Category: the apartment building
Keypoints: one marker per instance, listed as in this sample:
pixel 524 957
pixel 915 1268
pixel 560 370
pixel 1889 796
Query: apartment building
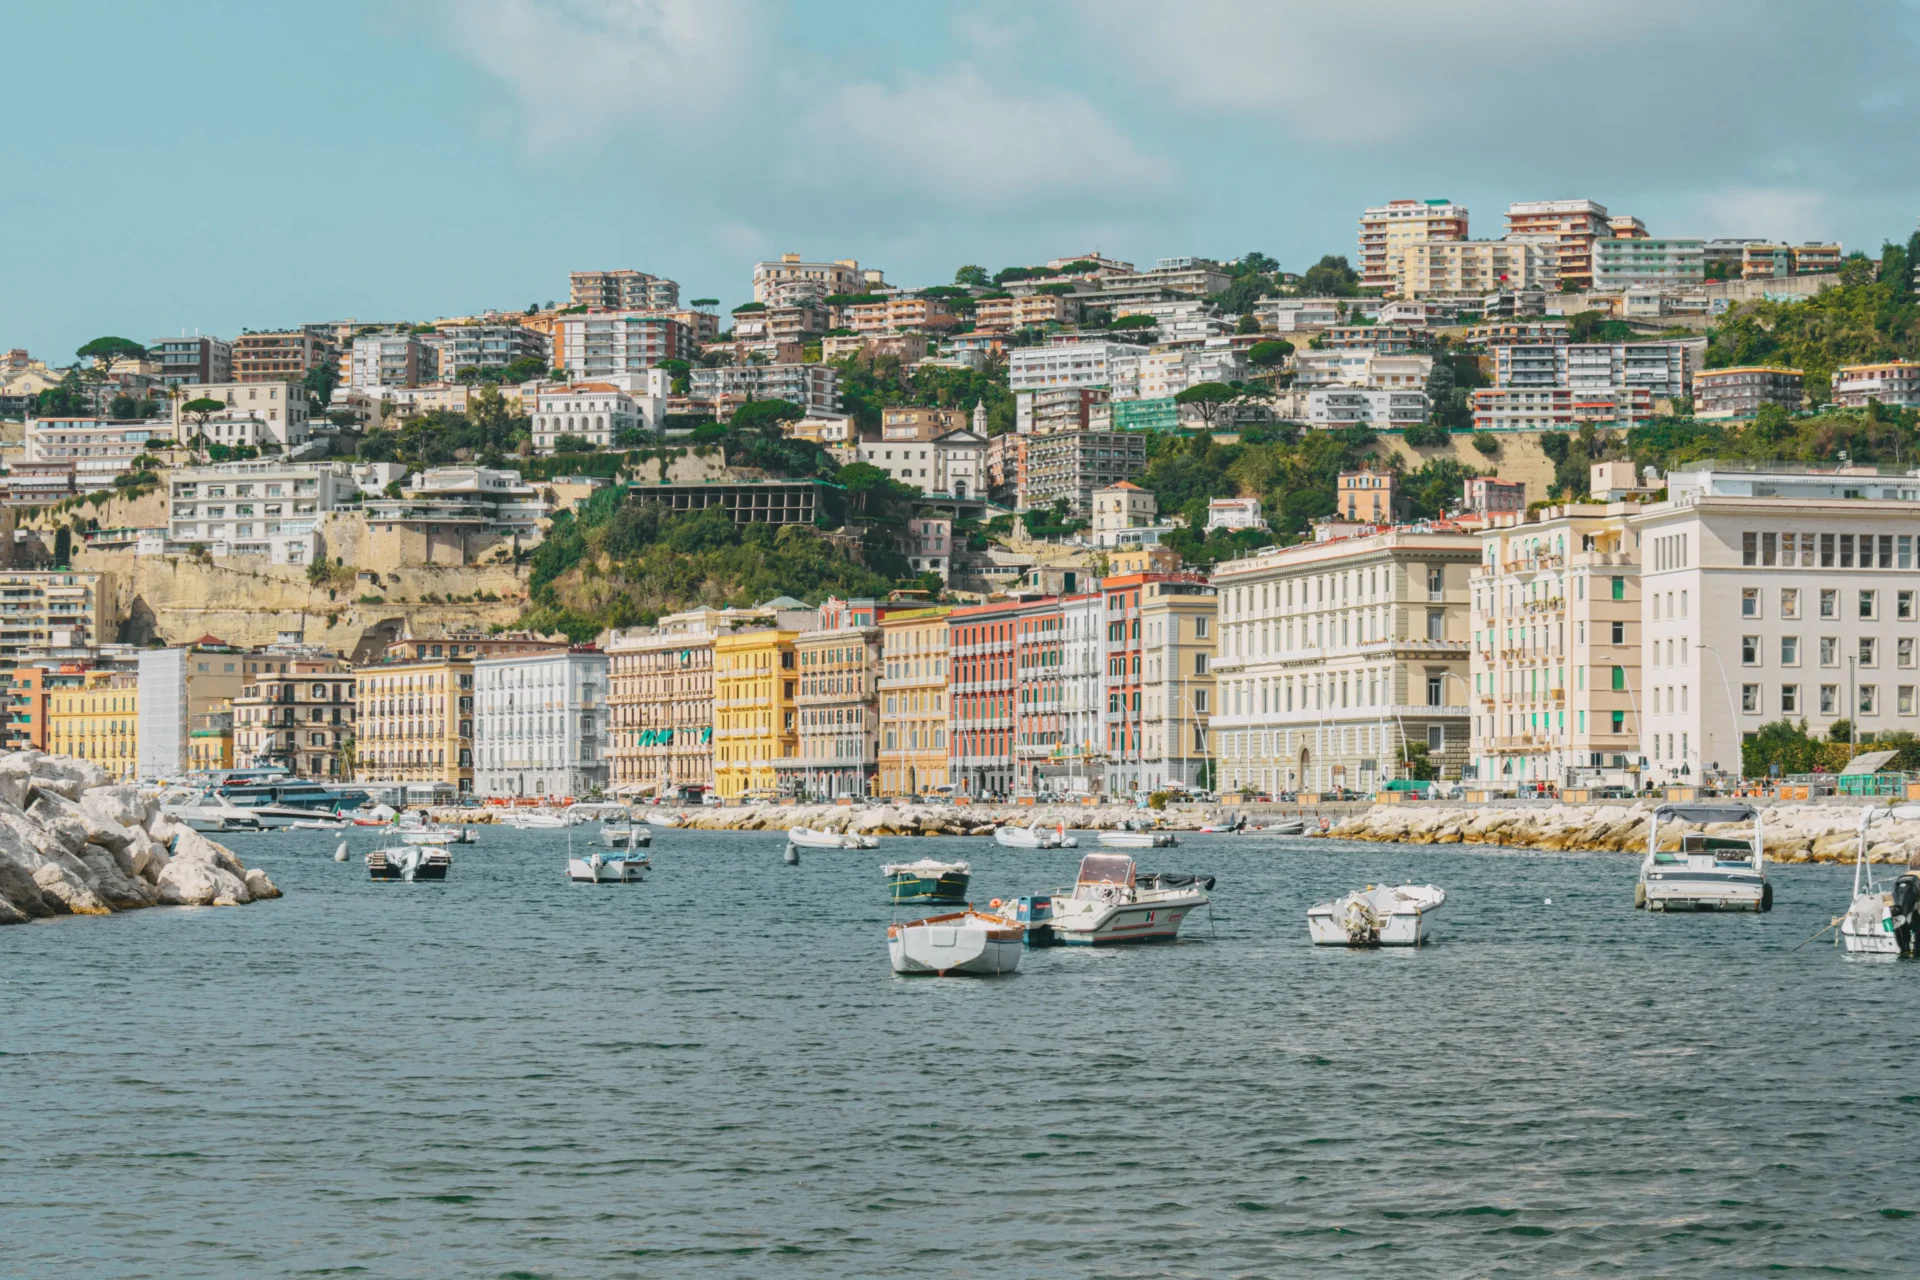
pixel 178 687
pixel 378 360
pixel 814 387
pixel 1119 508
pixel 414 710
pixel 601 344
pixel 755 683
pixel 837 705
pixel 1640 262
pixel 185 362
pixel 1071 465
pixel 1470 269
pixel 918 447
pixel 1387 230
pixel 912 702
pixel 278 357
pixel 930 544
pixel 48 611
pixel 1485 495
pixel 779 282
pixel 1556 649
pixel 1740 391
pixel 457 348
pixel 1079 768
pixel 257 508
pixel 622 290
pixel 1368 496
pixel 1335 407
pixel 983 692
pixel 99 451
pixel 1894 383
pixel 1003 314
pixel 1161 633
pixel 1199 277
pixel 25 690
pixel 282 409
pixel 298 712
pixel 1572 226
pixel 600 413
pixel 1768 260
pixel 1342 659
pixel 541 725
pixel 901 314
pixel 1664 370
pixel 661 695
pixel 97 719
pixel 1065 364
pixel 1774 592
pixel 1057 409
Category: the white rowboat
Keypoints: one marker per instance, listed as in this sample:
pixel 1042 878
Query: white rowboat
pixel 1376 916
pixel 963 942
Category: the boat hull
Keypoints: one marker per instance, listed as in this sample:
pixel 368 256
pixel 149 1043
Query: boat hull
pixel 940 947
pixel 610 871
pixel 1682 890
pixel 1138 839
pixel 1402 929
pixel 626 837
pixel 1120 925
pixel 1867 928
pixel 907 887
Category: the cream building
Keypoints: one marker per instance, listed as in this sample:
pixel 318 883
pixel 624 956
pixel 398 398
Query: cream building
pixel 913 702
pixel 1556 649
pixel 661 694
pixel 1179 633
pixel 837 745
pixel 1776 594
pixel 1338 655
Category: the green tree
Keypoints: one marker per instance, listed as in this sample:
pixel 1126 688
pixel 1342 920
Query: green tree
pixel 67 399
pixel 321 381
pixel 568 442
pixel 1209 399
pixel 1331 277
pixel 765 416
pixel 1781 743
pixel 704 302
pixel 1270 354
pixel 200 408
pixel 973 276
pixel 107 352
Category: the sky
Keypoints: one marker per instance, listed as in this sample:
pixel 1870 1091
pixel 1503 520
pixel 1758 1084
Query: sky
pixel 219 165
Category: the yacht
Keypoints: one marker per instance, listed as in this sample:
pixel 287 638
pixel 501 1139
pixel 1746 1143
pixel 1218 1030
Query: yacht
pixel 208 811
pixel 1376 916
pixel 1138 838
pixel 1112 902
pixel 535 819
pixel 1707 873
pixel 625 835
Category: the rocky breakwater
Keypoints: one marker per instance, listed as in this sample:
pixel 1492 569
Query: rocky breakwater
pixel 74 843
pixel 1793 832
pixel 918 819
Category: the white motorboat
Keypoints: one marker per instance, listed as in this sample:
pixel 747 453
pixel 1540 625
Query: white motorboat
pixel 409 862
pixel 608 868
pixel 1707 873
pixel 1872 916
pixel 625 835
pixel 1111 902
pixel 810 838
pixel 320 824
pixel 534 819
pixel 1287 827
pixel 1138 838
pixel 208 811
pixel 1376 916
pixel 1034 836
pixel 962 942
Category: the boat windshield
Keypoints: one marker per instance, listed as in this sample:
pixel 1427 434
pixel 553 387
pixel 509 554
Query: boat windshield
pixel 1106 868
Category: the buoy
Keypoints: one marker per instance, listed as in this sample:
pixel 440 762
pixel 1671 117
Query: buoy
pixel 793 856
pixel 340 854
pixel 1549 901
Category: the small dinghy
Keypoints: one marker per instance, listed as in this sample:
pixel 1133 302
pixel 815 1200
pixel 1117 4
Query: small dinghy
pixel 927 881
pixel 963 942
pixel 808 838
pixel 1034 836
pixel 1236 823
pixel 1138 838
pixel 535 819
pixel 624 835
pixel 608 868
pixel 1875 914
pixel 409 862
pixel 1707 873
pixel 1112 903
pixel 1376 916
pixel 319 824
pixel 1291 827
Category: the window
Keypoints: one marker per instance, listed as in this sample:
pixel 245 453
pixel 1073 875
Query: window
pixel 1829 698
pixel 1435 691
pixel 1749 549
pixel 1829 602
pixel 1790 602
pixel 1869 652
pixel 1436 625
pixel 1903 654
pixel 1436 737
pixel 1767 548
pixel 1829 651
pixel 1826 551
pixel 1903 606
pixel 1199 664
pixel 1789 699
pixel 1200 628
pixel 1905 703
pixel 1846 552
pixel 1869 604
pixel 1750 602
pixel 1200 701
pixel 1619 633
pixel 1619 721
pixel 1789 651
pixel 1619 679
pixel 1619 588
pixel 1749 651
pixel 1886 551
pixel 1750 699
pixel 1869 694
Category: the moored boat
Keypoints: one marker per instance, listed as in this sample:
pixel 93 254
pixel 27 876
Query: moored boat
pixel 1376 916
pixel 608 868
pixel 1138 838
pixel 1286 827
pixel 927 881
pixel 409 862
pixel 1112 902
pixel 963 942
pixel 209 812
pixel 811 838
pixel 535 819
pixel 625 835
pixel 1871 926
pixel 1034 836
pixel 1707 873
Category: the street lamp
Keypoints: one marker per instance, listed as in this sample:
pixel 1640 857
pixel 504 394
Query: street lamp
pixel 1733 714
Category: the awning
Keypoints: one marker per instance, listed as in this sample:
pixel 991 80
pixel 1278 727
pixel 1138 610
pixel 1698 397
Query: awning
pixel 1707 813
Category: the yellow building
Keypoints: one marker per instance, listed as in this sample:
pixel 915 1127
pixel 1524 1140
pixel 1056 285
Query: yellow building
pixel 414 722
pixel 98 720
pixel 753 711
pixel 913 702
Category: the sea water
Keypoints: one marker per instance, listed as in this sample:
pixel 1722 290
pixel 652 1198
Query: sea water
pixel 714 1073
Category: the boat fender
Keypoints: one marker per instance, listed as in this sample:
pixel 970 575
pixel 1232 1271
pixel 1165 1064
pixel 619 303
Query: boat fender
pixel 1639 897
pixel 1766 896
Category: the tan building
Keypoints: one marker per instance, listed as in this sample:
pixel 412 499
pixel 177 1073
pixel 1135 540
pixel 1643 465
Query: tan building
pixel 1472 268
pixel 837 745
pixel 413 717
pixel 1556 639
pixel 1570 227
pixel 98 720
pixel 210 741
pixel 894 315
pixel 47 609
pixel 1370 496
pixel 755 714
pixel 278 357
pixel 1179 629
pixel 913 702
pixel 1386 230
pixel 661 691
pixel 296 712
pixel 1032 311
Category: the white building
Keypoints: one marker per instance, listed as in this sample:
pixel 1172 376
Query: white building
pixel 1620 263
pixel 953 464
pixel 814 387
pixel 1332 407
pixel 278 410
pixel 540 724
pixel 1337 656
pixel 1120 507
pixel 1775 594
pixel 390 360
pixel 162 741
pixel 598 412
pixel 98 450
pixel 1083 693
pixel 1066 364
pixel 1235 513
pixel 600 344
pixel 261 508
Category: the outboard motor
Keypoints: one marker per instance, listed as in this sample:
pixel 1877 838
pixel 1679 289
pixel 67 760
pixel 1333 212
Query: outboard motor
pixel 1906 900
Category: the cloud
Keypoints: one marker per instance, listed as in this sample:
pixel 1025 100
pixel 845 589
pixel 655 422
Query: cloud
pixel 1785 213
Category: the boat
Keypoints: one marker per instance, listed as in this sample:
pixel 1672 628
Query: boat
pixel 1034 836
pixel 1237 823
pixel 927 881
pixel 1111 902
pixel 1289 827
pixel 1138 838
pixel 421 831
pixel 534 819
pixel 280 800
pixel 962 942
pixel 608 868
pixel 320 824
pixel 1868 928
pixel 810 838
pixel 409 862
pixel 208 811
pixel 1707 873
pixel 624 835
pixel 1034 913
pixel 1377 916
